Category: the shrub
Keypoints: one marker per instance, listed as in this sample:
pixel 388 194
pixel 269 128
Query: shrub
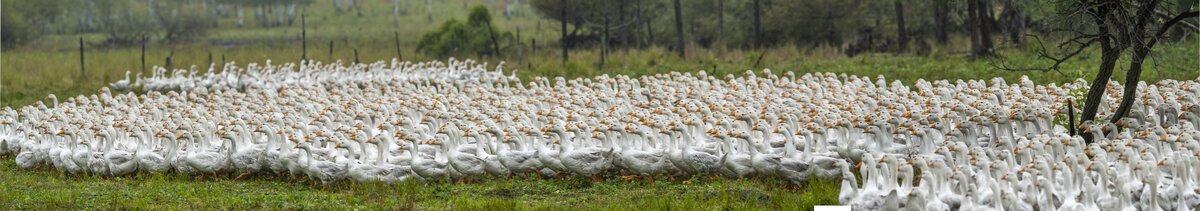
pixel 14 30
pixel 184 26
pixel 455 37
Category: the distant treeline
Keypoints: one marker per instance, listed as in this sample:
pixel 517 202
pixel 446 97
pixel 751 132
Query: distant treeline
pixel 855 25
pixel 852 25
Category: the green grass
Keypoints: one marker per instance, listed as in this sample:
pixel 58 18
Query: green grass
pixel 50 190
pixel 50 65
pixel 29 76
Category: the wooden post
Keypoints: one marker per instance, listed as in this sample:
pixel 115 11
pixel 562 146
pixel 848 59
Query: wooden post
pixel 1071 117
pixel 330 50
pixel 532 51
pixel 82 69
pixel 223 63
pixel 399 55
pixel 518 44
pixel 144 40
pixel 210 60
pixel 356 55
pixel 303 38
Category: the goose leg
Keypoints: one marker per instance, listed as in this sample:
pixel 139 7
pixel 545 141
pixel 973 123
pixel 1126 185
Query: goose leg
pixel 241 175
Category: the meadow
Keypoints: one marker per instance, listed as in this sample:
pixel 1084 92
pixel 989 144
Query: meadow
pixel 50 66
pixel 50 190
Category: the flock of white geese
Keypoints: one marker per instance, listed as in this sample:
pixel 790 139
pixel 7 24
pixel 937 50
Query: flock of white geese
pixel 934 145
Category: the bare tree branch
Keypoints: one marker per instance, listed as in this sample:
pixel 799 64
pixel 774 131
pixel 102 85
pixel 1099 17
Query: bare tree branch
pixel 1043 53
pixel 1177 19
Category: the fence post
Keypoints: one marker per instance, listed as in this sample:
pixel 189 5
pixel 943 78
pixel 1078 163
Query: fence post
pixel 303 39
pixel 144 40
pixel 82 69
pixel 532 52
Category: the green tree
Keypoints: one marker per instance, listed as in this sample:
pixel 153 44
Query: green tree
pixel 24 21
pixel 815 21
pixel 454 37
pixel 14 31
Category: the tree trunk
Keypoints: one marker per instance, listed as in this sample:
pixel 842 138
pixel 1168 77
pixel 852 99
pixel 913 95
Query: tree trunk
pixel 679 28
pixel 149 12
pixel 337 5
pixel 623 36
pixel 633 31
pixel 1013 21
pixel 291 13
pixel 940 20
pixel 565 42
pixel 1131 80
pixel 262 17
pixel 357 8
pixel 429 9
pixel 508 10
pixel 495 44
pixel 986 24
pixel 1108 60
pixel 721 21
pixel 757 29
pixel 241 21
pixel 650 31
pixel 981 44
pixel 279 16
pixel 91 16
pixel 902 35
pixel 604 42
pixel 1095 94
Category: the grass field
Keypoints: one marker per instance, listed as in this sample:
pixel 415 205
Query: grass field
pixel 50 66
pixel 50 190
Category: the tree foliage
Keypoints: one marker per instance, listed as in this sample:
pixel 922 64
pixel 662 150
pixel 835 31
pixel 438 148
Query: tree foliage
pixel 14 30
pixel 25 20
pixel 455 37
